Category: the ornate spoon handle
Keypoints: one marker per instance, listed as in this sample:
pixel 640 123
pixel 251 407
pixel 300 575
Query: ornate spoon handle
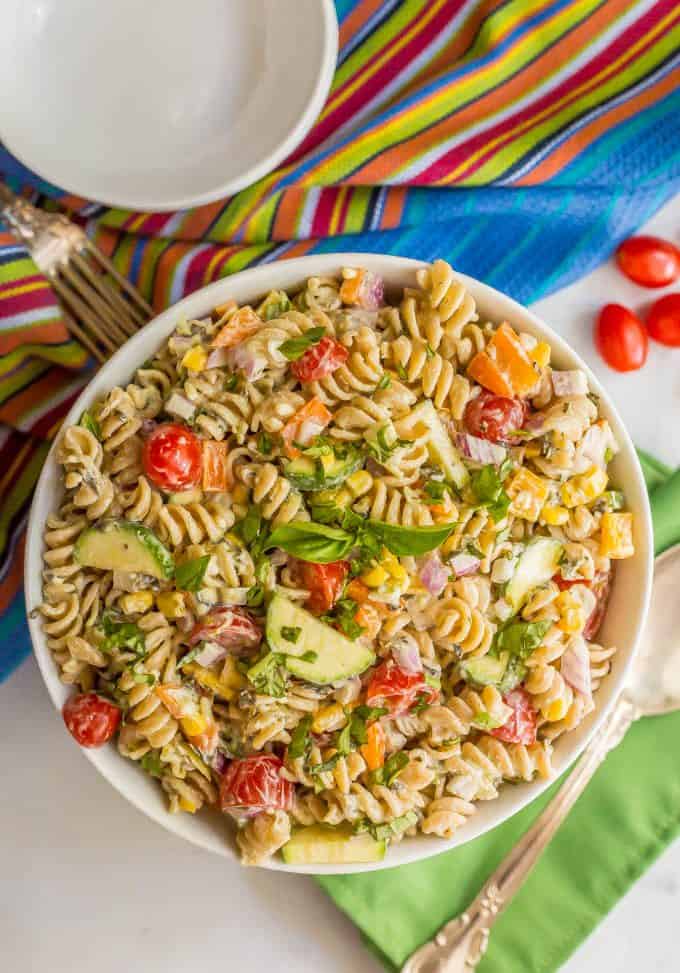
pixel 459 945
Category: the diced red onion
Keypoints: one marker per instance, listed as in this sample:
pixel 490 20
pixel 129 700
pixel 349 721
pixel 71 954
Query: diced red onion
pixel 219 762
pixel 217 358
pixel 570 383
pixel 464 564
pixel 535 423
pixel 178 405
pixel 434 575
pixel 575 666
pixel 371 291
pixel 481 450
pixel 406 653
pixel 592 449
pixel 242 358
pixel 210 653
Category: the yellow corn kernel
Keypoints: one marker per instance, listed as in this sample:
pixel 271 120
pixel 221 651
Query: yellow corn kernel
pixel 171 604
pixel 359 483
pixel 188 804
pixel 136 602
pixel 227 684
pixel 540 353
pixel 343 498
pixel 584 488
pixel 616 539
pixel 193 725
pixel 572 617
pixel 195 359
pixel 528 493
pixel 375 577
pixel 556 710
pixel 554 516
pixel 240 493
pixel 330 717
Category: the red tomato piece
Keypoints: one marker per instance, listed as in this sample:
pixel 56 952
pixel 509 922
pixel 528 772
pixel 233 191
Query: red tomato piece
pixel 172 458
pixel 621 338
pixel 521 724
pixel 232 628
pixel 601 588
pixel 397 689
pixel 649 261
pixel 256 783
pixel 324 582
pixel 90 719
pixel 663 321
pixel 495 417
pixel 320 360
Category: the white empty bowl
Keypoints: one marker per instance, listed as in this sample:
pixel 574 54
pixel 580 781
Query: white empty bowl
pixel 622 626
pixel 161 104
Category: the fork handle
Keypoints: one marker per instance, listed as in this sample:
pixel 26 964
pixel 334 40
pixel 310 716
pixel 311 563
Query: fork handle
pixel 459 945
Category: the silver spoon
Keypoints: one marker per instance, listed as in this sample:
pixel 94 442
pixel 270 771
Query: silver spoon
pixel 653 688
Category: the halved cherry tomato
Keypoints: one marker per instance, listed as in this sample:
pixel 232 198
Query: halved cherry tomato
pixel 256 783
pixel 649 261
pixel 495 417
pixel 320 360
pixel 621 338
pixel 601 588
pixel 172 457
pixel 232 628
pixel 90 719
pixel 397 689
pixel 324 583
pixel 305 425
pixel 663 320
pixel 520 726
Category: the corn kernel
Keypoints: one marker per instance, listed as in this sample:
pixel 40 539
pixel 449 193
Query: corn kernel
pixel 359 483
pixel 171 604
pixel 136 602
pixel 240 493
pixel 616 540
pixel 556 710
pixel 584 488
pixel 330 717
pixel 343 498
pixel 528 493
pixel 226 685
pixel 555 516
pixel 193 725
pixel 195 359
pixel 375 577
pixel 188 804
pixel 572 617
pixel 540 353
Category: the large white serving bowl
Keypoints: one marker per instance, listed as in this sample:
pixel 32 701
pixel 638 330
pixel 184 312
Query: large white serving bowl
pixel 161 104
pixel 622 627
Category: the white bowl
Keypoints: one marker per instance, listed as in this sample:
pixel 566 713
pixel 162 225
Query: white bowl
pixel 161 104
pixel 622 627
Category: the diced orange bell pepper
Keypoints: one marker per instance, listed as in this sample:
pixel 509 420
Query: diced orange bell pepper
pixel 504 367
pixel 357 591
pixel 373 751
pixel 240 326
pixel 215 479
pixel 305 425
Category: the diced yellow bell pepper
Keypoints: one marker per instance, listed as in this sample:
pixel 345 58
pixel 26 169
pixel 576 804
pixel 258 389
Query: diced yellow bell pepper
pixel 556 710
pixel 136 602
pixel 359 483
pixel 227 685
pixel 554 516
pixel 584 488
pixel 394 568
pixel 328 718
pixel 188 804
pixel 171 604
pixel 540 354
pixel 616 540
pixel 528 494
pixel 195 359
pixel 193 725
pixel 375 577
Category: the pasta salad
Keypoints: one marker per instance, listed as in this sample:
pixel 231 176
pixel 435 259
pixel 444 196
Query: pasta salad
pixel 335 564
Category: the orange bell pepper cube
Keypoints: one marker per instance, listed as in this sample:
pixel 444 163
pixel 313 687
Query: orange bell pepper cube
pixel 504 367
pixel 215 478
pixel 373 751
pixel 357 591
pixel 305 425
pixel 240 326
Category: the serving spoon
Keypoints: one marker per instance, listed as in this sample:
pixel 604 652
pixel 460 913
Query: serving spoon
pixel 653 688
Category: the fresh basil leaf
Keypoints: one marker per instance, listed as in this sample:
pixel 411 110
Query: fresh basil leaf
pixel 487 485
pixel 190 656
pixel 326 765
pixel 390 770
pixel 383 832
pixel 359 720
pixel 249 528
pixel 88 421
pixel 300 740
pixel 265 443
pixel 189 575
pixel 436 489
pixel 295 348
pixel 520 639
pixel 268 675
pixel 343 616
pixel 122 635
pixel 370 712
pixel 318 543
pixel 401 372
pixel 326 513
pixel 344 740
pixel 414 541
pixel 152 764
pixel 255 596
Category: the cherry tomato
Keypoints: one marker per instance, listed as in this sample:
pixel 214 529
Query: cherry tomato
pixel 324 582
pixel 91 720
pixel 621 338
pixel 649 260
pixel 397 689
pixel 601 588
pixel 494 417
pixel 232 628
pixel 663 321
pixel 521 724
pixel 256 783
pixel 172 457
pixel 320 360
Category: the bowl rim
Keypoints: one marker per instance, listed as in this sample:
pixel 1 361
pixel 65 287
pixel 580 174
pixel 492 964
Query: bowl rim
pixel 266 164
pixel 257 281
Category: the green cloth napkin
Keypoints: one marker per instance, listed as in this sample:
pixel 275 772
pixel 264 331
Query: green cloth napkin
pixel 628 815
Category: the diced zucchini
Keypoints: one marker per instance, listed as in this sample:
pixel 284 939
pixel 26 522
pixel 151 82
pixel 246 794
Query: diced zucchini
pixel 321 844
pixel 442 451
pixel 120 545
pixel 537 564
pixel 330 656
pixel 486 671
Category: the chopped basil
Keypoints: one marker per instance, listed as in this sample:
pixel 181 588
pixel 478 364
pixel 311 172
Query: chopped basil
pixel 429 351
pixel 344 741
pixel 190 656
pixel 401 372
pixel 255 596
pixel 264 443
pixel 390 770
pixel 325 766
pixel 437 489
pixel 423 701
pixel 122 635
pixel 143 678
pixel 230 383
pixel 300 740
pixel 384 382
pixel 383 832
pixel 343 616
pixel 291 633
pixel 295 348
pixel 519 639
pixel 268 675
pixel 487 486
pixel 88 421
pixel 309 656
pixel 358 723
pixel 486 721
pixel 152 764
pixel 189 575
pixel 381 447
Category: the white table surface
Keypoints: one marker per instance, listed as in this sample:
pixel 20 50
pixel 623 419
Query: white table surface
pixel 87 883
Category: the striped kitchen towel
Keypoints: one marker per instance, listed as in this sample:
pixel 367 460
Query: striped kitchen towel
pixel 518 139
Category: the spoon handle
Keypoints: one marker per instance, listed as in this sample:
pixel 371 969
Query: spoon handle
pixel 459 945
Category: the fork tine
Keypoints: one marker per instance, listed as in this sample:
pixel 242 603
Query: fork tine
pixel 82 312
pixel 145 310
pixel 102 308
pixel 82 337
pixel 127 316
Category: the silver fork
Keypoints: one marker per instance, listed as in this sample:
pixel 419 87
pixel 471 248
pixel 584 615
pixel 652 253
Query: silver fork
pixel 101 309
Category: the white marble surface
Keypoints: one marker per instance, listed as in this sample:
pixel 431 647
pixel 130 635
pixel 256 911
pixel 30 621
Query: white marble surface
pixel 88 884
